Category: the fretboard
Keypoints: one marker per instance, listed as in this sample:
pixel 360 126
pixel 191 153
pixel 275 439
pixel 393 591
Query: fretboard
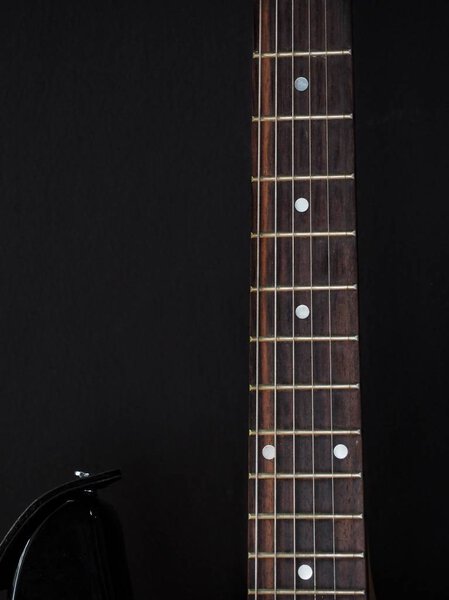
pixel 306 528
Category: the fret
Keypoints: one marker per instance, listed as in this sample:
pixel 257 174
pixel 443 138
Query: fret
pixel 288 118
pixel 349 573
pixel 339 80
pixel 318 260
pixel 307 455
pixel 305 432
pixel 305 476
pixel 281 178
pixel 331 206
pixel 304 53
pixel 303 517
pixel 298 234
pixel 307 362
pixel 306 555
pixel 307 496
pixel 309 535
pixel 316 338
pixel 334 409
pixel 280 387
pixel 337 36
pixel 316 593
pixel 334 313
pixel 318 554
pixel 307 150
pixel 306 288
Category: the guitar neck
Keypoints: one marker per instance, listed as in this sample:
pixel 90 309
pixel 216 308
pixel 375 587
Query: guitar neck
pixel 306 527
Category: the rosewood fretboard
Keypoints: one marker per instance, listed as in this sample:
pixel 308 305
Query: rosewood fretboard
pixel 306 529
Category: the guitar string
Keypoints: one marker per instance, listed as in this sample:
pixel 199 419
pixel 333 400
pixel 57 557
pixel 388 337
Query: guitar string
pixel 311 202
pixel 331 397
pixel 256 456
pixel 275 292
pixel 293 291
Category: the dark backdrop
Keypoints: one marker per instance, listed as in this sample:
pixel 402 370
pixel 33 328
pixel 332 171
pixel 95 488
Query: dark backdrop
pixel 124 221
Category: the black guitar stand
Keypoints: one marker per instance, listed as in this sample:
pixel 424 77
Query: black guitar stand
pixel 67 545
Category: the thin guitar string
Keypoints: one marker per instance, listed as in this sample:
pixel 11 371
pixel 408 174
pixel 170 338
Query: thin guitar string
pixel 293 294
pixel 256 481
pixel 275 293
pixel 331 397
pixel 312 396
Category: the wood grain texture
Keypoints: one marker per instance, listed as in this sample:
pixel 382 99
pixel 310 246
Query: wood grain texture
pixel 306 506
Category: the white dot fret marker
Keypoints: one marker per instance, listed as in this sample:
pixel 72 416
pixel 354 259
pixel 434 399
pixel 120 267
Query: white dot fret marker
pixel 305 572
pixel 301 84
pixel 301 205
pixel 302 311
pixel 341 451
pixel 269 452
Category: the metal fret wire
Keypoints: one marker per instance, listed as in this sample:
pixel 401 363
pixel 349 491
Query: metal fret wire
pixel 293 294
pixel 275 293
pixel 329 306
pixel 256 482
pixel 312 366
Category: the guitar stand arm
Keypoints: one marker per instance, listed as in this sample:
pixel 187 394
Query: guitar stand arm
pixel 67 545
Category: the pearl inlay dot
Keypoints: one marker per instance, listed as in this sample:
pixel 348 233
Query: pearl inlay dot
pixel 302 311
pixel 269 452
pixel 305 572
pixel 301 205
pixel 341 451
pixel 301 84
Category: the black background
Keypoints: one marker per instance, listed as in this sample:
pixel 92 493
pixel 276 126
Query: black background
pixel 124 221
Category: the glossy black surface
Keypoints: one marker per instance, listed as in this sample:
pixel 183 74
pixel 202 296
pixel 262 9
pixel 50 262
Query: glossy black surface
pixel 77 554
pixel 68 545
